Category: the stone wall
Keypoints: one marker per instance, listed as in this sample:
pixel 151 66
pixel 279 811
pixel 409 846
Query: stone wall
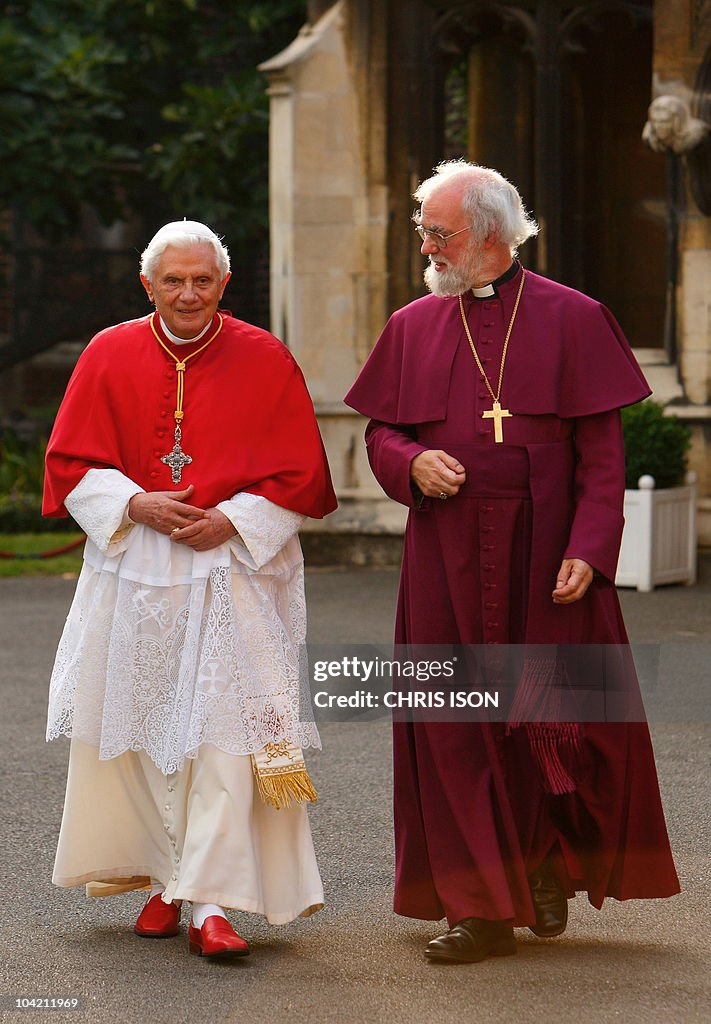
pixel 682 32
pixel 328 213
pixel 352 131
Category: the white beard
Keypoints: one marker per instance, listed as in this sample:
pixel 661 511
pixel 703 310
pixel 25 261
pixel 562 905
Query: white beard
pixel 454 280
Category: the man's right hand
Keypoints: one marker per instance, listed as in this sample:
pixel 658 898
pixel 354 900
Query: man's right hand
pixel 437 473
pixel 164 511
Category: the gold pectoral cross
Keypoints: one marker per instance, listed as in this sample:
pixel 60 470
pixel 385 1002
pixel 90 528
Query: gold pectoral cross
pixel 496 413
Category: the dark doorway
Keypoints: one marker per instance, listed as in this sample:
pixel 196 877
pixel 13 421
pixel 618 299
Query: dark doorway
pixel 613 186
pixel 556 97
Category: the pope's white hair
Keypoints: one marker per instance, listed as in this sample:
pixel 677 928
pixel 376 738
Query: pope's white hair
pixel 183 233
pixel 489 201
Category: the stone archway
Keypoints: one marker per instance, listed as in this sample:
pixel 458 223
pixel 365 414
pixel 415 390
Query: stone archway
pixel 556 96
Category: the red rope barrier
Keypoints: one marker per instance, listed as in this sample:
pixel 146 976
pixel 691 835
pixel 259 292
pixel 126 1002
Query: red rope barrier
pixel 44 554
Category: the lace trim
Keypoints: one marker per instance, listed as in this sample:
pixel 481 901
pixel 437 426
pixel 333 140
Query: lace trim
pixel 167 669
pixel 99 504
pixel 263 527
pixel 165 648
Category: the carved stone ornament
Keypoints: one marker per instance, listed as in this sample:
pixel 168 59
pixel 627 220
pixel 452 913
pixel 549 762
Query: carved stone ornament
pixel 671 126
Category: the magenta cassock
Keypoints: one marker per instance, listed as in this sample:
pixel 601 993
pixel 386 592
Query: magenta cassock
pixel 474 815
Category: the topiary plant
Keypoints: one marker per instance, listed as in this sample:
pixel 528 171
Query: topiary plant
pixel 654 444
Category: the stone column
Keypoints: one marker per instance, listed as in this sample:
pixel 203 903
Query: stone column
pixel 682 34
pixel 328 213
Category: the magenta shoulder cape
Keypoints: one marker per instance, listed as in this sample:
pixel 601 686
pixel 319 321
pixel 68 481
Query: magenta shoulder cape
pixel 567 357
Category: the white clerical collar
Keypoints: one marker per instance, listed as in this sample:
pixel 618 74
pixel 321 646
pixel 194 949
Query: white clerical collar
pixel 485 292
pixel 183 341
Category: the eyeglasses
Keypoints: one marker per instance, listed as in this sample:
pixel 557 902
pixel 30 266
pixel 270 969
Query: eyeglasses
pixel 434 236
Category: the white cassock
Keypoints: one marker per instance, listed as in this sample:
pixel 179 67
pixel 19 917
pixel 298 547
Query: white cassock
pixel 174 666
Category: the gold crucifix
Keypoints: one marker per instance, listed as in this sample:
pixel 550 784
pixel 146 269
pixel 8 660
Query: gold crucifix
pixel 496 413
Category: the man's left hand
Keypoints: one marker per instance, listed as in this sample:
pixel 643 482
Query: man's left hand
pixel 207 533
pixel 574 578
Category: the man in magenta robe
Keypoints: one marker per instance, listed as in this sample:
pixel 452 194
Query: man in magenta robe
pixel 494 417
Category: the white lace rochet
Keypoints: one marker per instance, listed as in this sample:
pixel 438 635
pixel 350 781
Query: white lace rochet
pixel 165 648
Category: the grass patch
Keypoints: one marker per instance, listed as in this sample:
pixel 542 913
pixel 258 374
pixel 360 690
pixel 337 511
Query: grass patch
pixel 34 543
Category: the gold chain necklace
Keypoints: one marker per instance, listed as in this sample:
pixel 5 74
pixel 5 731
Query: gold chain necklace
pixel 496 413
pixel 176 458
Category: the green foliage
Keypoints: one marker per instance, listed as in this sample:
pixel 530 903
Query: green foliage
pixel 21 513
pixel 655 444
pixel 148 106
pixel 456 126
pixel 21 465
pixel 61 113
pixel 21 484
pixel 227 124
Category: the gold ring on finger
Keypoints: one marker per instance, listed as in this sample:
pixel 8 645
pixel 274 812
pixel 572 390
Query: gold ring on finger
pixel 443 495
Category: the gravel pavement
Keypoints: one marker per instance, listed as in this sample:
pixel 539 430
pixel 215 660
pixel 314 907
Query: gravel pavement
pixel 355 962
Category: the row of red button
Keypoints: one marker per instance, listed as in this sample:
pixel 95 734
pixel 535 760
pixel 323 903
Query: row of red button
pixel 164 414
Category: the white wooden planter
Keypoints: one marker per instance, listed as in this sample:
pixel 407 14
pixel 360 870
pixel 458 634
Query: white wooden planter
pixel 659 538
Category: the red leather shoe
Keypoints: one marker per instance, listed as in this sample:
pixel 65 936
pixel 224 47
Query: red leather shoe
pixel 158 920
pixel 216 938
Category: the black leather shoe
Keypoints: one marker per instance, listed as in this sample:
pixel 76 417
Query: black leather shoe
pixel 470 941
pixel 549 902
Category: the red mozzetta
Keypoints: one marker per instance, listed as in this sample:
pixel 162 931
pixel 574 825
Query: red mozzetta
pixel 249 423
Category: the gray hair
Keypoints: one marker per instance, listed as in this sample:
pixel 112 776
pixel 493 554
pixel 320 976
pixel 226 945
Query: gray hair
pixel 183 233
pixel 490 202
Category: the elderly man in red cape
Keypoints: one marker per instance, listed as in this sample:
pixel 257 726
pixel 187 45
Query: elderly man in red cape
pixel 187 448
pixel 494 417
